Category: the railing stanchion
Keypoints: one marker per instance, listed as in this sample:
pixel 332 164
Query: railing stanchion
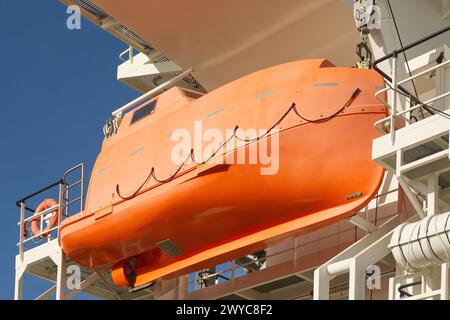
pixel 131 53
pixel 22 229
pixel 397 86
pixel 82 188
pixel 60 205
pixel 46 215
pixel 394 98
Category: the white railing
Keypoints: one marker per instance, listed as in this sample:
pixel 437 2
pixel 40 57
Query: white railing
pixel 151 94
pixel 130 52
pixel 392 88
pixel 63 188
pixel 418 285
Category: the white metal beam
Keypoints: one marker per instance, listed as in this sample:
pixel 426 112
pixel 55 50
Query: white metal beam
pixel 83 285
pixel 362 223
pixel 445 281
pixel 411 196
pixel 432 197
pixel 423 162
pixel 47 294
pixel 322 276
pixel 108 285
pixel 357 283
pixel 307 275
pixel 60 260
pixel 18 286
pixel 424 296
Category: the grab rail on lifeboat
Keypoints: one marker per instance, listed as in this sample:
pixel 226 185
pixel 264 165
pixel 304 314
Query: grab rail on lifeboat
pixel 151 93
pixel 63 187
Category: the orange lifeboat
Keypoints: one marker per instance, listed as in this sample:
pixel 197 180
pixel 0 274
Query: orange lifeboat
pixel 152 218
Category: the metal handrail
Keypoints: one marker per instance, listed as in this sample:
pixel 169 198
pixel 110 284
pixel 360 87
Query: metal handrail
pixel 38 235
pixel 40 214
pixel 438 66
pixel 130 52
pixel 63 205
pixel 408 110
pixel 81 182
pixel 397 85
pixel 151 93
pixel 18 203
pixel 395 53
pixel 72 201
pixel 73 185
pixel 442 65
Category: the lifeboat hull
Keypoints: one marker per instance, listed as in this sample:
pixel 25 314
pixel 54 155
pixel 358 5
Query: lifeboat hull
pixel 214 212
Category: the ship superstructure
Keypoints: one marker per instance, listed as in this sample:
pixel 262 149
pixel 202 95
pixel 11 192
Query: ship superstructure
pixel 397 246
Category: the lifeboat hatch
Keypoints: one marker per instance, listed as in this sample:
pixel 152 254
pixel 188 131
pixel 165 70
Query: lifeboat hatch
pixel 170 248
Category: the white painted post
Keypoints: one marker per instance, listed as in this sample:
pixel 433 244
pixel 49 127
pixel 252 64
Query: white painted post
pixel 18 285
pixel 131 54
pixel 444 281
pixel 398 162
pixel 432 196
pixel 393 98
pixel 321 284
pixel 431 277
pixel 20 269
pixel 47 294
pixel 391 289
pixel 60 261
pixel 357 283
pixel 22 230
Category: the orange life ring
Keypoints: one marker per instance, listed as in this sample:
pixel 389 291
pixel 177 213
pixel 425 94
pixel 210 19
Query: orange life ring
pixel 35 223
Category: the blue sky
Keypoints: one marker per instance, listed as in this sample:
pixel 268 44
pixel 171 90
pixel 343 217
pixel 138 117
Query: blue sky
pixel 57 88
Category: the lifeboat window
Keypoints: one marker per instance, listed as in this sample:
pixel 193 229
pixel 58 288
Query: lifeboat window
pixel 143 112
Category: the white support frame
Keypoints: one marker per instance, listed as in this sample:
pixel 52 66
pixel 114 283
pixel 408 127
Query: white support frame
pixel 51 250
pixel 362 223
pixel 429 289
pixel 83 285
pixel 25 260
pixel 355 260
